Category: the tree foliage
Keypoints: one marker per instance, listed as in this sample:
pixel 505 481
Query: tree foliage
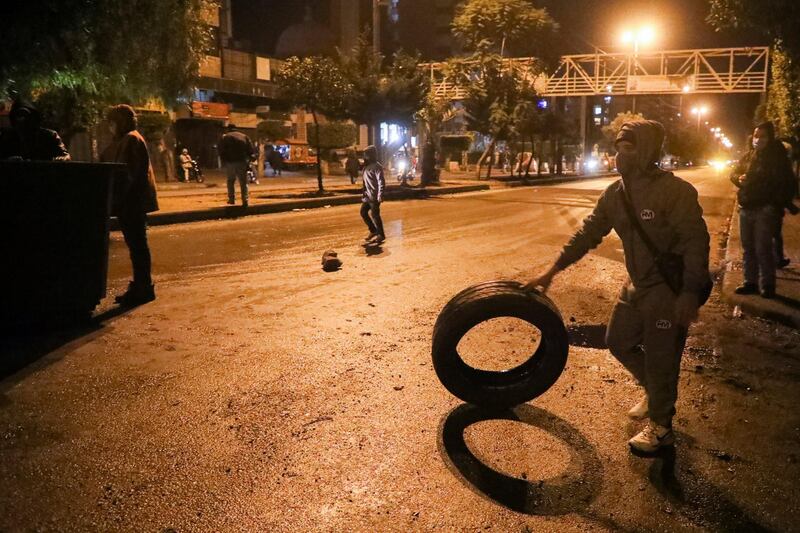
pixel 783 96
pixel 317 85
pixel 72 57
pixel 334 135
pixel 513 27
pixel 381 91
pixel 272 130
pixel 778 20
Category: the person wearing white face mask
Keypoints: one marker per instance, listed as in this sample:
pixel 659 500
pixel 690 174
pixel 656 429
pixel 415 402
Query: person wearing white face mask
pixel 766 188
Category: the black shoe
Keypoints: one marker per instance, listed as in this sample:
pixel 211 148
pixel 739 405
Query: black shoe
pixel 782 263
pixel 768 292
pixel 231 202
pixel 370 237
pixel 244 204
pixel 136 295
pixel 746 288
pixel 379 239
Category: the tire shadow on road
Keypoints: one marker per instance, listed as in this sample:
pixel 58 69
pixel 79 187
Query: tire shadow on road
pixel 680 483
pixel 24 350
pixel 570 492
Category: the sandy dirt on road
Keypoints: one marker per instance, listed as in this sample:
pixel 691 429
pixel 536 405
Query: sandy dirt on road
pixel 270 396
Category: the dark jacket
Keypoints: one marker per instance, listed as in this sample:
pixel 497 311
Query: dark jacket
pixel 668 210
pixel 138 193
pixel 235 147
pixel 39 144
pixel 769 179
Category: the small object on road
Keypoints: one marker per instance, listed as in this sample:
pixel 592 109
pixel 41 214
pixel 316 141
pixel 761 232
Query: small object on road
pixel 398 387
pixel 514 386
pixel 331 261
pixel 737 311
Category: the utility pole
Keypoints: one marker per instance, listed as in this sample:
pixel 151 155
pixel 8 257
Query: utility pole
pixel 375 129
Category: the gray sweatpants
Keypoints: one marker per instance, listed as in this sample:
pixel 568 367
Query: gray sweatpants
pixel 643 336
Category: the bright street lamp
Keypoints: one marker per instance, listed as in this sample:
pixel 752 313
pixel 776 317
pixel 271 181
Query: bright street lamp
pixel 699 111
pixel 642 35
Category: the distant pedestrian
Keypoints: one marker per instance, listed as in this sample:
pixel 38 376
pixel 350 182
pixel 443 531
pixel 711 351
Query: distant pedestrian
pixel 352 166
pixel 666 245
pixel 186 164
pixel 374 185
pixel 27 140
pixel 275 160
pixel 133 199
pixel 766 188
pixel 236 150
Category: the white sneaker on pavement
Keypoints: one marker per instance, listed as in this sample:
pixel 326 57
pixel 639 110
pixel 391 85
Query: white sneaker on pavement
pixel 651 438
pixel 639 411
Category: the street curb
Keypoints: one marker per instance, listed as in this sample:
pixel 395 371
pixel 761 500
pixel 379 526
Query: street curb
pixel 551 181
pixel 236 211
pixel 753 304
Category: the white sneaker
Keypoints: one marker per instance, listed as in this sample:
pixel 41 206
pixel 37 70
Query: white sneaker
pixel 639 411
pixel 651 438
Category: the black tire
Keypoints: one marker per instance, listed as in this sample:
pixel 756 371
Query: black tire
pixel 507 388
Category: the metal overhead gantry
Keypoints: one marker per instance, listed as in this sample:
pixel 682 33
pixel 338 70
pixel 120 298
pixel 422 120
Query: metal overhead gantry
pixel 712 70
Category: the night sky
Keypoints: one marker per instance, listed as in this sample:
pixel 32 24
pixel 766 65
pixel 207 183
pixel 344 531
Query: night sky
pixel 584 25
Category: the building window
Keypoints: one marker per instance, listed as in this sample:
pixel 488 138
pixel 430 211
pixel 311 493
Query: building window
pixel 598 110
pixel 598 121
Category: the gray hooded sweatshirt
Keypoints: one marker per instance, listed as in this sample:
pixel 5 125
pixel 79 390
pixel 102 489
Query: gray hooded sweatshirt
pixel 668 210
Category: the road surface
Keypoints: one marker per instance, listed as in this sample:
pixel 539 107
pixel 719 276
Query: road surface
pixel 260 393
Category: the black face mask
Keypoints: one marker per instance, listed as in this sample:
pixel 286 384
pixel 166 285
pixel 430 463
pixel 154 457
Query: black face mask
pixel 627 164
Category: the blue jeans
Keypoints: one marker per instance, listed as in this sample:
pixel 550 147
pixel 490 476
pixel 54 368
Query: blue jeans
pixel 236 170
pixel 757 227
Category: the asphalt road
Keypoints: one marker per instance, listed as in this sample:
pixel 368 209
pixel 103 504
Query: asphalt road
pixel 260 393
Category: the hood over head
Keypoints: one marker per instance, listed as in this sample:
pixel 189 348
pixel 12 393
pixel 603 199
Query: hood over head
pixel 648 137
pixel 23 110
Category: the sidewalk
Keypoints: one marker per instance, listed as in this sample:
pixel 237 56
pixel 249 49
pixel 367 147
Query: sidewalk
pixel 785 307
pixel 297 191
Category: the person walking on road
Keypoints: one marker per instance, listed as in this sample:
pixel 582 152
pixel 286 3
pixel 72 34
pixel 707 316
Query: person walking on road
pixel 236 150
pixel 352 166
pixel 133 200
pixel 766 188
pixel 275 160
pixel 374 185
pixel 648 208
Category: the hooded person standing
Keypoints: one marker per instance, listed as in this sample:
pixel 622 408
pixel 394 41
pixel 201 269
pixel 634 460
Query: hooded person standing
pixel 27 140
pixel 647 330
pixel 236 150
pixel 132 200
pixel 766 188
pixel 374 185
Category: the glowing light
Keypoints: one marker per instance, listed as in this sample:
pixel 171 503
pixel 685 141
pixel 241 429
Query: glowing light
pixel 401 165
pixel 687 88
pixel 591 164
pixel 627 37
pixel 718 165
pixel 646 35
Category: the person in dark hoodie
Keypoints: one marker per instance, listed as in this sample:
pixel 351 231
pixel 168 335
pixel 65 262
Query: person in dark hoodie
pixel 649 324
pixel 27 140
pixel 133 199
pixel 766 188
pixel 374 185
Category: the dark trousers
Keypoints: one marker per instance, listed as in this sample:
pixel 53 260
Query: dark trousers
pixel 758 227
pixel 134 229
pixel 374 222
pixel 778 238
pixel 643 336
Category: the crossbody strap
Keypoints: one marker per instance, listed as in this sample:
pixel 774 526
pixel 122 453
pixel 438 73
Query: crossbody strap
pixel 651 246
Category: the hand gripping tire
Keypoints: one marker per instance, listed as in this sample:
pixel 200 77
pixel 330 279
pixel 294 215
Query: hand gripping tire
pixel 503 389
